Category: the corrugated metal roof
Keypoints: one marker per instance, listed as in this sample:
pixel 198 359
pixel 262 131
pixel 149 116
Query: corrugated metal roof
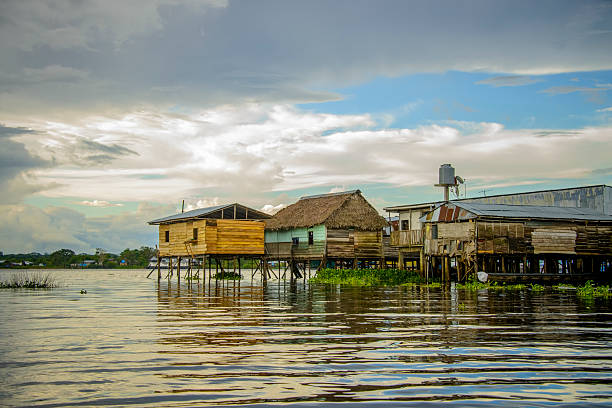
pixel 532 211
pixel 191 214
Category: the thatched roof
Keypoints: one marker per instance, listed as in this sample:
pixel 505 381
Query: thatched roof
pixel 337 210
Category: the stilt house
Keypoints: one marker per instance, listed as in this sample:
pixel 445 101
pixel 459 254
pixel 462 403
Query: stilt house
pixel 337 226
pixel 517 239
pixel 231 229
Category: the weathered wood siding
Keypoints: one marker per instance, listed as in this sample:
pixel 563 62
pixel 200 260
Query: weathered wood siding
pixel 502 238
pixel 388 250
pixel 524 237
pixel 340 243
pixel 213 237
pixel 368 244
pixel 453 239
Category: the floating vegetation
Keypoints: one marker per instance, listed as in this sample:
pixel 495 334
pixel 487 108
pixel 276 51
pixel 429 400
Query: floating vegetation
pixel 367 277
pixel 227 276
pixel 474 284
pixel 591 290
pixel 27 280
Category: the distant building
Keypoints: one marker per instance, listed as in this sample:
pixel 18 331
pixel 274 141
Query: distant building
pixel 564 230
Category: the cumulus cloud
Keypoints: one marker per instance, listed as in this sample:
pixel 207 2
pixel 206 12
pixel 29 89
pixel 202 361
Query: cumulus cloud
pixel 25 228
pixel 609 109
pixel 238 153
pixel 272 209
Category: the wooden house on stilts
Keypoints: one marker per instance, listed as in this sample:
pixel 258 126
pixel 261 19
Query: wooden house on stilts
pixel 517 242
pixel 339 229
pixel 212 235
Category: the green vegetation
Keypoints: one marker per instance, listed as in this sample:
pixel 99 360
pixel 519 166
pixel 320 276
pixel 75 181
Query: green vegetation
pixel 67 258
pixel 474 284
pixel 228 275
pixel 590 290
pixel 28 281
pixel 367 277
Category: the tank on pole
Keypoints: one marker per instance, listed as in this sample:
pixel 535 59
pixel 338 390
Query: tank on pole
pixel 446 178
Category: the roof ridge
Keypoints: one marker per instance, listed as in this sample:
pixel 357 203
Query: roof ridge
pixel 349 192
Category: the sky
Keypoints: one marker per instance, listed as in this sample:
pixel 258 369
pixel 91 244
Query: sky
pixel 112 113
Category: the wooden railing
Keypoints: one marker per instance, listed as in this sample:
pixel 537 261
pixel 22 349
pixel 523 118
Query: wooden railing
pixel 406 238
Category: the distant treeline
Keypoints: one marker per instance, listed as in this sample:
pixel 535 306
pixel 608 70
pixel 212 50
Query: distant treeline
pixel 67 258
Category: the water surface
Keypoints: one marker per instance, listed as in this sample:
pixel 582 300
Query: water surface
pixel 128 341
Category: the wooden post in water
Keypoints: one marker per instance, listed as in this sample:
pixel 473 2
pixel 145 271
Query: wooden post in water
pixel 158 268
pixel 178 269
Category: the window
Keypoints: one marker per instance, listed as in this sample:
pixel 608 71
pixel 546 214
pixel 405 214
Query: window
pixel 434 231
pixel 167 236
pixel 295 241
pixel 405 225
pixel 310 237
pixel 195 234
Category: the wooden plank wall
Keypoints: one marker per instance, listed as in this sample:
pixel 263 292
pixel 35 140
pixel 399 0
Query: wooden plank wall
pixel 368 244
pixel 501 237
pixel 234 237
pixel 240 237
pixel 340 243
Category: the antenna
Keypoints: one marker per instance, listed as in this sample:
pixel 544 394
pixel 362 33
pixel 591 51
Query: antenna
pixel 183 207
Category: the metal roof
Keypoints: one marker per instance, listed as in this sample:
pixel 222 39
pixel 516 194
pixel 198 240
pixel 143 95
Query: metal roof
pixel 470 199
pixel 202 212
pixel 199 212
pixel 531 211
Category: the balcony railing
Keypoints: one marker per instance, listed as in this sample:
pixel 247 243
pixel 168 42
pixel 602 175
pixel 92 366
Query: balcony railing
pixel 406 238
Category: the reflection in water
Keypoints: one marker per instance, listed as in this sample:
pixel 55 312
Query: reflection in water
pixel 136 343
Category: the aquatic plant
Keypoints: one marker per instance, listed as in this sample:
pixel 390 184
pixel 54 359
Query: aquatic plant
pixel 591 290
pixel 474 284
pixel 367 277
pixel 227 275
pixel 29 281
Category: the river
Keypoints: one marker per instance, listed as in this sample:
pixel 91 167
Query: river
pixel 130 342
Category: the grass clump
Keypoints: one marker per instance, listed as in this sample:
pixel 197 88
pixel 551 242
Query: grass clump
pixel 474 284
pixel 29 281
pixel 367 277
pixel 591 290
pixel 228 276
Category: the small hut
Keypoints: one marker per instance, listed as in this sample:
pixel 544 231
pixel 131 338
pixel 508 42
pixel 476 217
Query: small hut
pixel 339 227
pixel 224 231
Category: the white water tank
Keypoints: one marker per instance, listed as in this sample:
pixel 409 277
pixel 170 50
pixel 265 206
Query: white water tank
pixel 446 175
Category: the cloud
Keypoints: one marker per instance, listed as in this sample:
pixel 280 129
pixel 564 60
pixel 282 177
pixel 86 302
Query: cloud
pixel 594 94
pixel 272 209
pixel 511 80
pixel 65 24
pixel 53 73
pixel 111 56
pixel 16 165
pixel 25 228
pixel 99 203
pixel 609 109
pixel 231 153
